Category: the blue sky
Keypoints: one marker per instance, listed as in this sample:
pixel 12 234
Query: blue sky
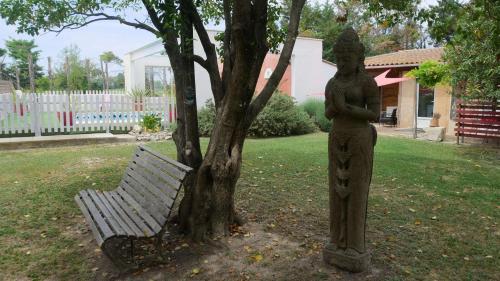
pixel 92 40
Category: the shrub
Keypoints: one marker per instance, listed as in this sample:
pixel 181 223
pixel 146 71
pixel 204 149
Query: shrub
pixel 316 110
pixel 281 117
pixel 206 118
pixel 151 122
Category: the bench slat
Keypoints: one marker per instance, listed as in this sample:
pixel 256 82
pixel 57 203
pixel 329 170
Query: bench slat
pixel 153 224
pixel 157 173
pixel 136 231
pixel 137 180
pixel 107 215
pixel 161 186
pixel 148 232
pixel 173 162
pixel 147 202
pixel 113 213
pixel 89 220
pixel 102 225
pixel 163 165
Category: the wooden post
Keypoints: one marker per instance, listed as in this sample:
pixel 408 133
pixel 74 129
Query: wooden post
pixel 87 70
pixel 415 108
pixel 103 77
pixel 107 76
pixel 49 70
pixel 18 80
pixel 31 72
pixel 66 69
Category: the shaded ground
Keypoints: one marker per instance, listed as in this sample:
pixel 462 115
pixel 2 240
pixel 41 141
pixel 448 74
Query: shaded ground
pixel 433 215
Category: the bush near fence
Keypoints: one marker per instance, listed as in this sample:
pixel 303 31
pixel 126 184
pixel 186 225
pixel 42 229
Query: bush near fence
pixel 280 117
pixel 316 110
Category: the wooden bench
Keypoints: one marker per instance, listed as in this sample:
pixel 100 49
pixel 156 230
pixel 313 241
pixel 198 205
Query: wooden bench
pixel 140 206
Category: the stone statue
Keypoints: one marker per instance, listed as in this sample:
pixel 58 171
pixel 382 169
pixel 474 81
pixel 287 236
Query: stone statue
pixel 351 100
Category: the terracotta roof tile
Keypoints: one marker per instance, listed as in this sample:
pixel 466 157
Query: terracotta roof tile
pixel 404 58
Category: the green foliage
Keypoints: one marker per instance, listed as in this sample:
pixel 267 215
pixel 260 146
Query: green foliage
pixel 136 92
pixel 281 117
pixel 42 84
pixel 379 32
pixel 110 57
pixel 430 73
pixel 18 51
pixel 471 31
pixel 206 119
pixel 74 73
pixel 151 122
pixel 316 110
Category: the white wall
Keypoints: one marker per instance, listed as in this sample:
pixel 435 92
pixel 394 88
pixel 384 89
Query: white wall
pixel 309 73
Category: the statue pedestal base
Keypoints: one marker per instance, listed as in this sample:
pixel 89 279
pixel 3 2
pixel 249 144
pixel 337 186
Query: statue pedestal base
pixel 353 263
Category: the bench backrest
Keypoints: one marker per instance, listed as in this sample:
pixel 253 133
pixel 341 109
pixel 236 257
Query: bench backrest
pixel 154 180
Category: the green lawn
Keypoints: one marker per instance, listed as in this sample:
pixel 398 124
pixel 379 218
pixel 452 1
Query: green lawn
pixel 433 209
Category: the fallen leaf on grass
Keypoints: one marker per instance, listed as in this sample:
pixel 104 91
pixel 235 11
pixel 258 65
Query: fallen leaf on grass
pixel 257 258
pixel 195 271
pixel 418 222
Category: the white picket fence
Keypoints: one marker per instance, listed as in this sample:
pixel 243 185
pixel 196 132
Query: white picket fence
pixel 61 112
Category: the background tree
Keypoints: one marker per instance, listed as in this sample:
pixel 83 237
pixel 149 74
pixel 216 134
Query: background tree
pixel 471 32
pixel 251 30
pixel 3 53
pixel 325 20
pixel 19 51
pixel 106 58
pixel 73 73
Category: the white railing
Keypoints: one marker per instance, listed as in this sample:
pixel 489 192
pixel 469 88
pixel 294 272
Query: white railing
pixel 67 112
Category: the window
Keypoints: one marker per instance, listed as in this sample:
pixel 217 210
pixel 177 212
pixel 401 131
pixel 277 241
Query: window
pixel 425 102
pixel 159 79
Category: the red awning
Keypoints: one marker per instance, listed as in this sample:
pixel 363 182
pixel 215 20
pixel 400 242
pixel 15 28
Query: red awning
pixel 382 80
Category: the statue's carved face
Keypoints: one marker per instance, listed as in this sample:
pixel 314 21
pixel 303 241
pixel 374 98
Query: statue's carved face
pixel 347 63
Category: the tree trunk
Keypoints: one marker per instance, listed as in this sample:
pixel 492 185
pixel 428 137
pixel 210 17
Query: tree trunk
pixel 208 206
pixel 212 198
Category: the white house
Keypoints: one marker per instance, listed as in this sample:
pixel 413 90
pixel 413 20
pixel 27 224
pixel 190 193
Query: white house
pixel 149 68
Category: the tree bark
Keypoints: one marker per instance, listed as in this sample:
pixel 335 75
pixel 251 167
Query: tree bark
pixel 211 208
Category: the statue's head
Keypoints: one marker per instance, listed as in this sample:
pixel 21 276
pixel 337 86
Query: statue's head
pixel 349 52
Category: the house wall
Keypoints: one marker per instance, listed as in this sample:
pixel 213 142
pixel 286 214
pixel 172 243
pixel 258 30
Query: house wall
pixel 306 77
pixel 285 85
pixel 406 103
pixel 309 72
pixel 442 105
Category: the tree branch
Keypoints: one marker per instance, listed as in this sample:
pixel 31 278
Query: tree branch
pixel 228 58
pixel 211 62
pixel 261 100
pixel 201 61
pixel 103 17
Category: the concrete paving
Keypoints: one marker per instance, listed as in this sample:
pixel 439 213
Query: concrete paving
pixel 62 140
